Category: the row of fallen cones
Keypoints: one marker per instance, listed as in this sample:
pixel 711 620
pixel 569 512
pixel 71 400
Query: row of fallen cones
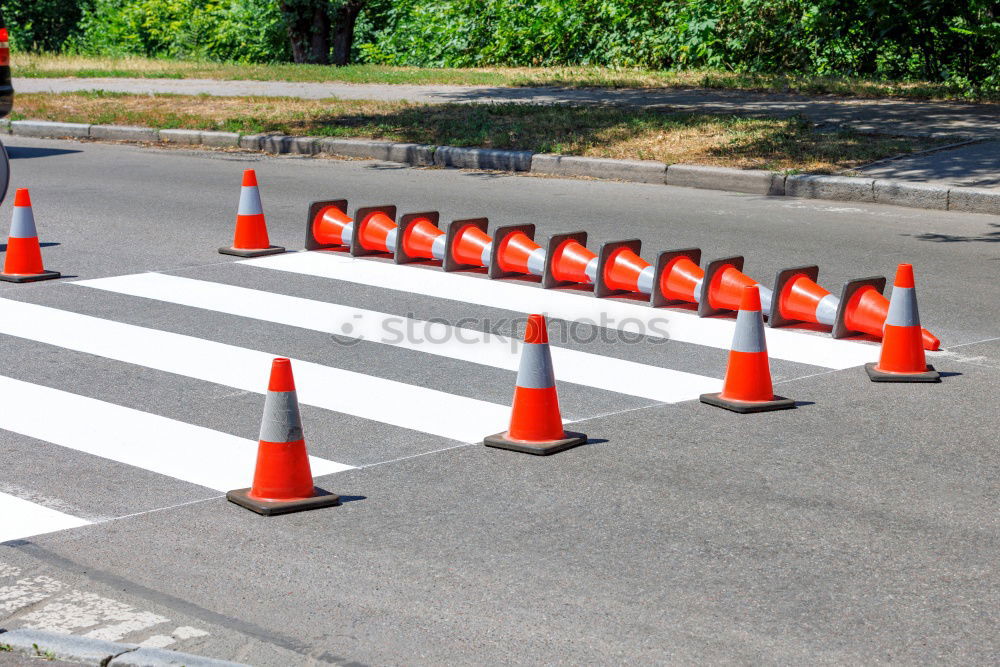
pixel 283 481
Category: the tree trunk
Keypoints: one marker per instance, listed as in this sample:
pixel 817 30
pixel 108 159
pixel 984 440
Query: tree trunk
pixel 343 30
pixel 308 26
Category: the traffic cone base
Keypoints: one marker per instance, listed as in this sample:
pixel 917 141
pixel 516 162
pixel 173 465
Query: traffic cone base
pixel 313 216
pixel 400 256
pixel 500 234
pixel 743 407
pixel 273 507
pixel 361 220
pixel 503 441
pixel 664 261
pixel 605 257
pixel 452 235
pixel 29 277
pixel 775 318
pixel 840 328
pixel 549 279
pixel 930 375
pixel 260 252
pixel 705 308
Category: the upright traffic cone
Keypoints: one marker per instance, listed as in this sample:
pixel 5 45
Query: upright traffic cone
pixel 418 237
pixel 282 480
pixel 250 238
pixel 535 423
pixel 569 261
pixel 863 309
pixel 902 358
pixel 514 252
pixel 747 387
pixel 375 230
pixel 467 246
pixel 23 262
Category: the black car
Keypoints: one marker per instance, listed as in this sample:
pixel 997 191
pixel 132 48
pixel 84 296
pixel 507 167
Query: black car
pixel 6 90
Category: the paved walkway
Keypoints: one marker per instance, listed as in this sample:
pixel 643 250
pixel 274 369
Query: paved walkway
pixel 891 116
pixel 976 165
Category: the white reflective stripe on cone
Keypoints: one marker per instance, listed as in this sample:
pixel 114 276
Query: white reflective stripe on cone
pixel 826 309
pixel 591 269
pixel 281 422
pixel 390 238
pixel 22 224
pixel 749 336
pixel 437 248
pixel 536 261
pixel 535 371
pixel 645 280
pixel 484 257
pixel 766 295
pixel 249 201
pixel 903 308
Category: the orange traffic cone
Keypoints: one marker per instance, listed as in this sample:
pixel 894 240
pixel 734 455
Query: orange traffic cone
pixel 467 245
pixel 677 278
pixel 23 262
pixel 722 287
pixel 535 423
pixel 375 230
pixel 282 480
pixel 250 238
pixel 514 252
pixel 418 237
pixel 569 261
pixel 747 387
pixel 328 225
pixel 902 358
pixel 798 298
pixel 863 309
pixel 620 269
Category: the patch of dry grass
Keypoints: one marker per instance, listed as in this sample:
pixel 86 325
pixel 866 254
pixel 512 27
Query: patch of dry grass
pixel 617 132
pixel 55 65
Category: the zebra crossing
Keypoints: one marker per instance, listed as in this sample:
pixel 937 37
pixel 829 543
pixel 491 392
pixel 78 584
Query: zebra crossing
pixel 441 389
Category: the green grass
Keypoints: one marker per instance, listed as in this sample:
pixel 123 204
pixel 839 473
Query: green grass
pixel 49 65
pixel 606 131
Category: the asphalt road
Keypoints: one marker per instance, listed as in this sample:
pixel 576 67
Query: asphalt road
pixel 860 527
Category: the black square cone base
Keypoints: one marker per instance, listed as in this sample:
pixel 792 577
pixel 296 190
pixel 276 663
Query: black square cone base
pixel 257 252
pixel 500 441
pixel 29 278
pixel 271 508
pixel 745 407
pixel 930 375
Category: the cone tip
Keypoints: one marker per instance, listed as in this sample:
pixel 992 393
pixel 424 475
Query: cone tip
pixel 249 178
pixel 22 198
pixel 750 299
pixel 536 331
pixel 281 375
pixel 904 276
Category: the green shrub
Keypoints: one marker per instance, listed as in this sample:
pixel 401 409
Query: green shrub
pixel 42 25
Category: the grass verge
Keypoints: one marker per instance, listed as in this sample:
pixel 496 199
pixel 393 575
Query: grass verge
pixel 616 132
pixel 52 65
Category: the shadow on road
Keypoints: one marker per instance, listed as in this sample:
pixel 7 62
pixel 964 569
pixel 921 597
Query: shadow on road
pixel 988 237
pixel 25 152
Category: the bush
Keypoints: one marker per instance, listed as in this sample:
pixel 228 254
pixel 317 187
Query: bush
pixel 42 25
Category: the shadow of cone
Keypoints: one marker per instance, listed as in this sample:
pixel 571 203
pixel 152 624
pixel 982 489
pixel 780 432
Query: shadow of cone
pixel 250 238
pixel 747 387
pixel 23 262
pixel 282 480
pixel 902 356
pixel 535 423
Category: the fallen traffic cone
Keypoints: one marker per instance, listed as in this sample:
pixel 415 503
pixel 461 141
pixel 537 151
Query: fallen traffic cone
pixel 328 226
pixel 374 230
pixel 747 387
pixel 902 358
pixel 250 238
pixel 722 287
pixel 467 245
pixel 23 262
pixel 514 252
pixel 677 277
pixel 799 298
pixel 568 261
pixel 535 423
pixel 418 237
pixel 282 480
pixel 620 270
pixel 863 309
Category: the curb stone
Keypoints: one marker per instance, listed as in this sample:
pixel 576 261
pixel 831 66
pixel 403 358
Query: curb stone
pixel 42 643
pixel 836 188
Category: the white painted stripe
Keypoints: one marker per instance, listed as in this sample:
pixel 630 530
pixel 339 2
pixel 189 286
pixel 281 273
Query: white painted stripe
pixel 408 406
pixel 20 519
pixel 169 447
pixel 805 348
pixel 591 370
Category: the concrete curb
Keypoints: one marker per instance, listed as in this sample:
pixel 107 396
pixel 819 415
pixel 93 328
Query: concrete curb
pixel 41 643
pixel 759 182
